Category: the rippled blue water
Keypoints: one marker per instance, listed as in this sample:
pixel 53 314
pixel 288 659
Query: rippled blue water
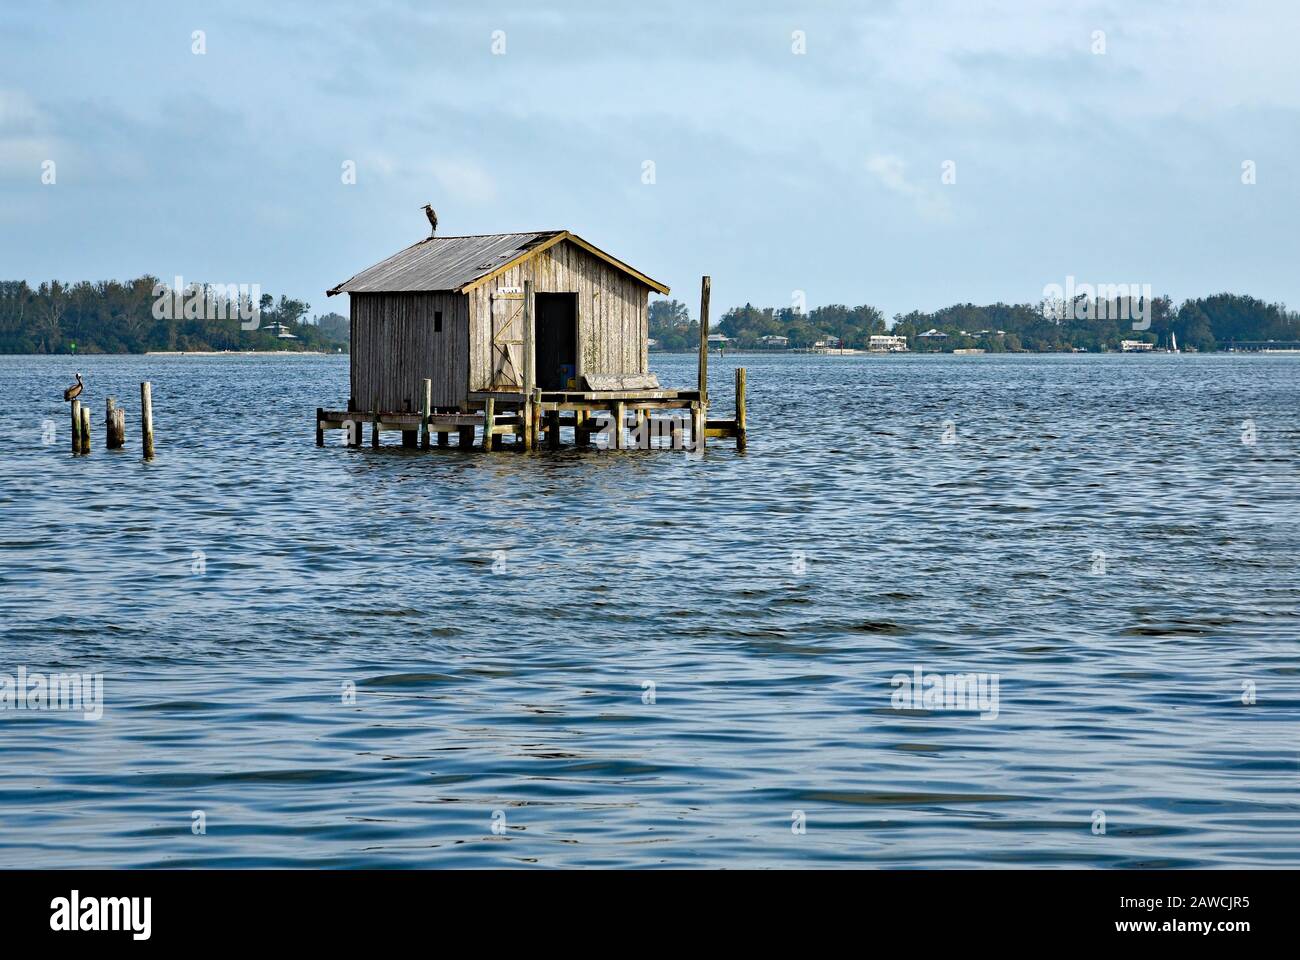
pixel 1098 536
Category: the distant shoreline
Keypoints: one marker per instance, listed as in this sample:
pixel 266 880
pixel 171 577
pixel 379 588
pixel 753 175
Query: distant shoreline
pixel 228 353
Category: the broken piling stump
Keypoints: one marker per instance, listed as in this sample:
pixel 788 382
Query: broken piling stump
pixel 114 426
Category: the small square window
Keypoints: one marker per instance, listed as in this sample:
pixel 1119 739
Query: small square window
pixel 437 321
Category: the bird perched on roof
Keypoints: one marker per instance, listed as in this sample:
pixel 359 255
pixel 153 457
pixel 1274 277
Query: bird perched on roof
pixel 433 218
pixel 74 391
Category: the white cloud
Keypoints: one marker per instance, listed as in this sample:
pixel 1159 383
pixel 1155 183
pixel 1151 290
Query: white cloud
pixel 890 171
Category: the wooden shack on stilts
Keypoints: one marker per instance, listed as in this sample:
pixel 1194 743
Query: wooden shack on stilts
pixel 514 334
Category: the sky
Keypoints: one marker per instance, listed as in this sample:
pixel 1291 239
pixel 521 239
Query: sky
pixel 907 155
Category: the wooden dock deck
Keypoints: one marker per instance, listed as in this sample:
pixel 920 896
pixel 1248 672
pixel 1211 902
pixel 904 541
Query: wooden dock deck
pixel 656 419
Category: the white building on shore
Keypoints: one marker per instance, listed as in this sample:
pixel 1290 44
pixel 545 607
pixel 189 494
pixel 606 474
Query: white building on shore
pixel 887 343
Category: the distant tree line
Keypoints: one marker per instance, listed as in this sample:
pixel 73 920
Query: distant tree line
pixel 1205 323
pixel 113 317
pixel 671 325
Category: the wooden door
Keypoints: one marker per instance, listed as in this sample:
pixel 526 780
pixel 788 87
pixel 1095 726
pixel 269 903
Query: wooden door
pixel 507 340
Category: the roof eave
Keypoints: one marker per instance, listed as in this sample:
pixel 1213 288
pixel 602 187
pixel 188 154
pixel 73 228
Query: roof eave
pixel 558 238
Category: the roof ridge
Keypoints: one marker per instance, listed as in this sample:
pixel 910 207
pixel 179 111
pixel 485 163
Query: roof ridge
pixel 479 236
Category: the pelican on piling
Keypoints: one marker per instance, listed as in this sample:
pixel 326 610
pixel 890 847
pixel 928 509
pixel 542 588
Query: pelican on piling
pixel 74 391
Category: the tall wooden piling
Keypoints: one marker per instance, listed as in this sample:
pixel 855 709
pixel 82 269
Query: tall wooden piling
pixel 374 424
pixel 146 419
pixel 426 410
pixel 320 430
pixel 85 428
pixel 741 440
pixel 76 426
pixel 489 421
pixel 115 426
pixel 701 410
pixel 702 376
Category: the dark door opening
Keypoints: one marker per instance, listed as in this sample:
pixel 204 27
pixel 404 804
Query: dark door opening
pixel 557 339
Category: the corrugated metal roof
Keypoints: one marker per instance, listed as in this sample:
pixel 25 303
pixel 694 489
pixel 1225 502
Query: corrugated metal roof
pixel 443 263
pixel 454 263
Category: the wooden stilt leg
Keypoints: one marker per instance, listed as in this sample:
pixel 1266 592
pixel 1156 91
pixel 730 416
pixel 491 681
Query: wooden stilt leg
pixel 320 431
pixel 489 422
pixel 619 412
pixel 426 409
pixel 698 424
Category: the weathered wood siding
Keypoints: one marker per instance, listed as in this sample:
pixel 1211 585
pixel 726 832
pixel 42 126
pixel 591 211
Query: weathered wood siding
pixel 394 348
pixel 612 313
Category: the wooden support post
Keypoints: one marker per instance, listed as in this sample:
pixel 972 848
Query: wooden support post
pixel 619 414
pixel 115 426
pixel 76 426
pixel 320 430
pixel 699 424
pixel 643 428
pixel 489 422
pixel 426 410
pixel 374 424
pixel 526 411
pixel 553 429
pixel 741 440
pixel 701 415
pixel 85 428
pixel 146 419
pixel 581 435
pixel 675 431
